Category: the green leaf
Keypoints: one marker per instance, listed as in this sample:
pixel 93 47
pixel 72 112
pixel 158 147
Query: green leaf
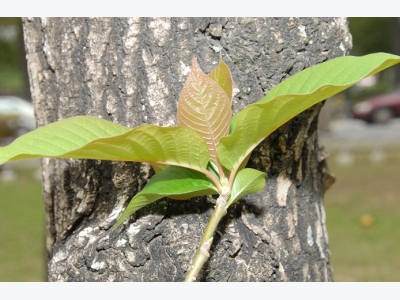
pixel 85 137
pixel 221 74
pixel 158 167
pixel 205 107
pixel 174 182
pixel 247 181
pixel 335 75
pixel 291 97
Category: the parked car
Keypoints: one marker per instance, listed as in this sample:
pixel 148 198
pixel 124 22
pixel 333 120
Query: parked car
pixel 16 117
pixel 378 109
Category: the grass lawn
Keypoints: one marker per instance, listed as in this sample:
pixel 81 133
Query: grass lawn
pixel 363 217
pixel 22 238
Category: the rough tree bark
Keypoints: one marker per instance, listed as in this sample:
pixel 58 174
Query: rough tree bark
pixel 131 71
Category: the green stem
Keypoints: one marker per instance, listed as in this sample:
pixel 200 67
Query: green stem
pixel 213 178
pixel 203 252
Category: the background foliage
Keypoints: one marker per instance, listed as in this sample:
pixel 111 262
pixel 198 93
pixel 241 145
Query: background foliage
pixel 372 35
pixel 13 72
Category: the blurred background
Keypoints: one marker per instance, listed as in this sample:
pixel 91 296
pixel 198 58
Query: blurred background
pixel 359 128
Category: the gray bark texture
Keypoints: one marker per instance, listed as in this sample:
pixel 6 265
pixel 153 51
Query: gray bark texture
pixel 131 71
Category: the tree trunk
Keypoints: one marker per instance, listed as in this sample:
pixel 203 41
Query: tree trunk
pixel 131 71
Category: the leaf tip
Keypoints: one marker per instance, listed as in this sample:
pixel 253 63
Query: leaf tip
pixel 195 65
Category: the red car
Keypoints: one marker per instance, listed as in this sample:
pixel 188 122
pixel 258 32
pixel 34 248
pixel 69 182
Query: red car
pixel 378 109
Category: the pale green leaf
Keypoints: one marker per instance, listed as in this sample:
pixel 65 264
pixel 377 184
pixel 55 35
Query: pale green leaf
pixel 330 77
pixel 291 97
pixel 247 181
pixel 174 182
pixel 85 137
pixel 158 167
pixel 222 75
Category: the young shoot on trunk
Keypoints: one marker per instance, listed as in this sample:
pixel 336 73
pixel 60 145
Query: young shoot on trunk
pixel 207 153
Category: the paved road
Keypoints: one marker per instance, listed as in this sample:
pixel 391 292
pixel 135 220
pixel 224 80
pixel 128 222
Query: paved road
pixel 348 133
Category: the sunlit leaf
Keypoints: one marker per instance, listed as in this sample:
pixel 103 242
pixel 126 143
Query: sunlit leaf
pixel 291 97
pixel 247 181
pixel 87 137
pixel 158 167
pixel 205 107
pixel 221 74
pixel 175 182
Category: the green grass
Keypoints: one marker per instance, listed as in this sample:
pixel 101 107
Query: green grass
pixel 22 237
pixel 362 251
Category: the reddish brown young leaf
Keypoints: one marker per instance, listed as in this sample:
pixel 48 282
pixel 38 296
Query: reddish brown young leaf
pixel 205 107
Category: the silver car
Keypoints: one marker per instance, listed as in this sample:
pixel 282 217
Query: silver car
pixel 16 117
